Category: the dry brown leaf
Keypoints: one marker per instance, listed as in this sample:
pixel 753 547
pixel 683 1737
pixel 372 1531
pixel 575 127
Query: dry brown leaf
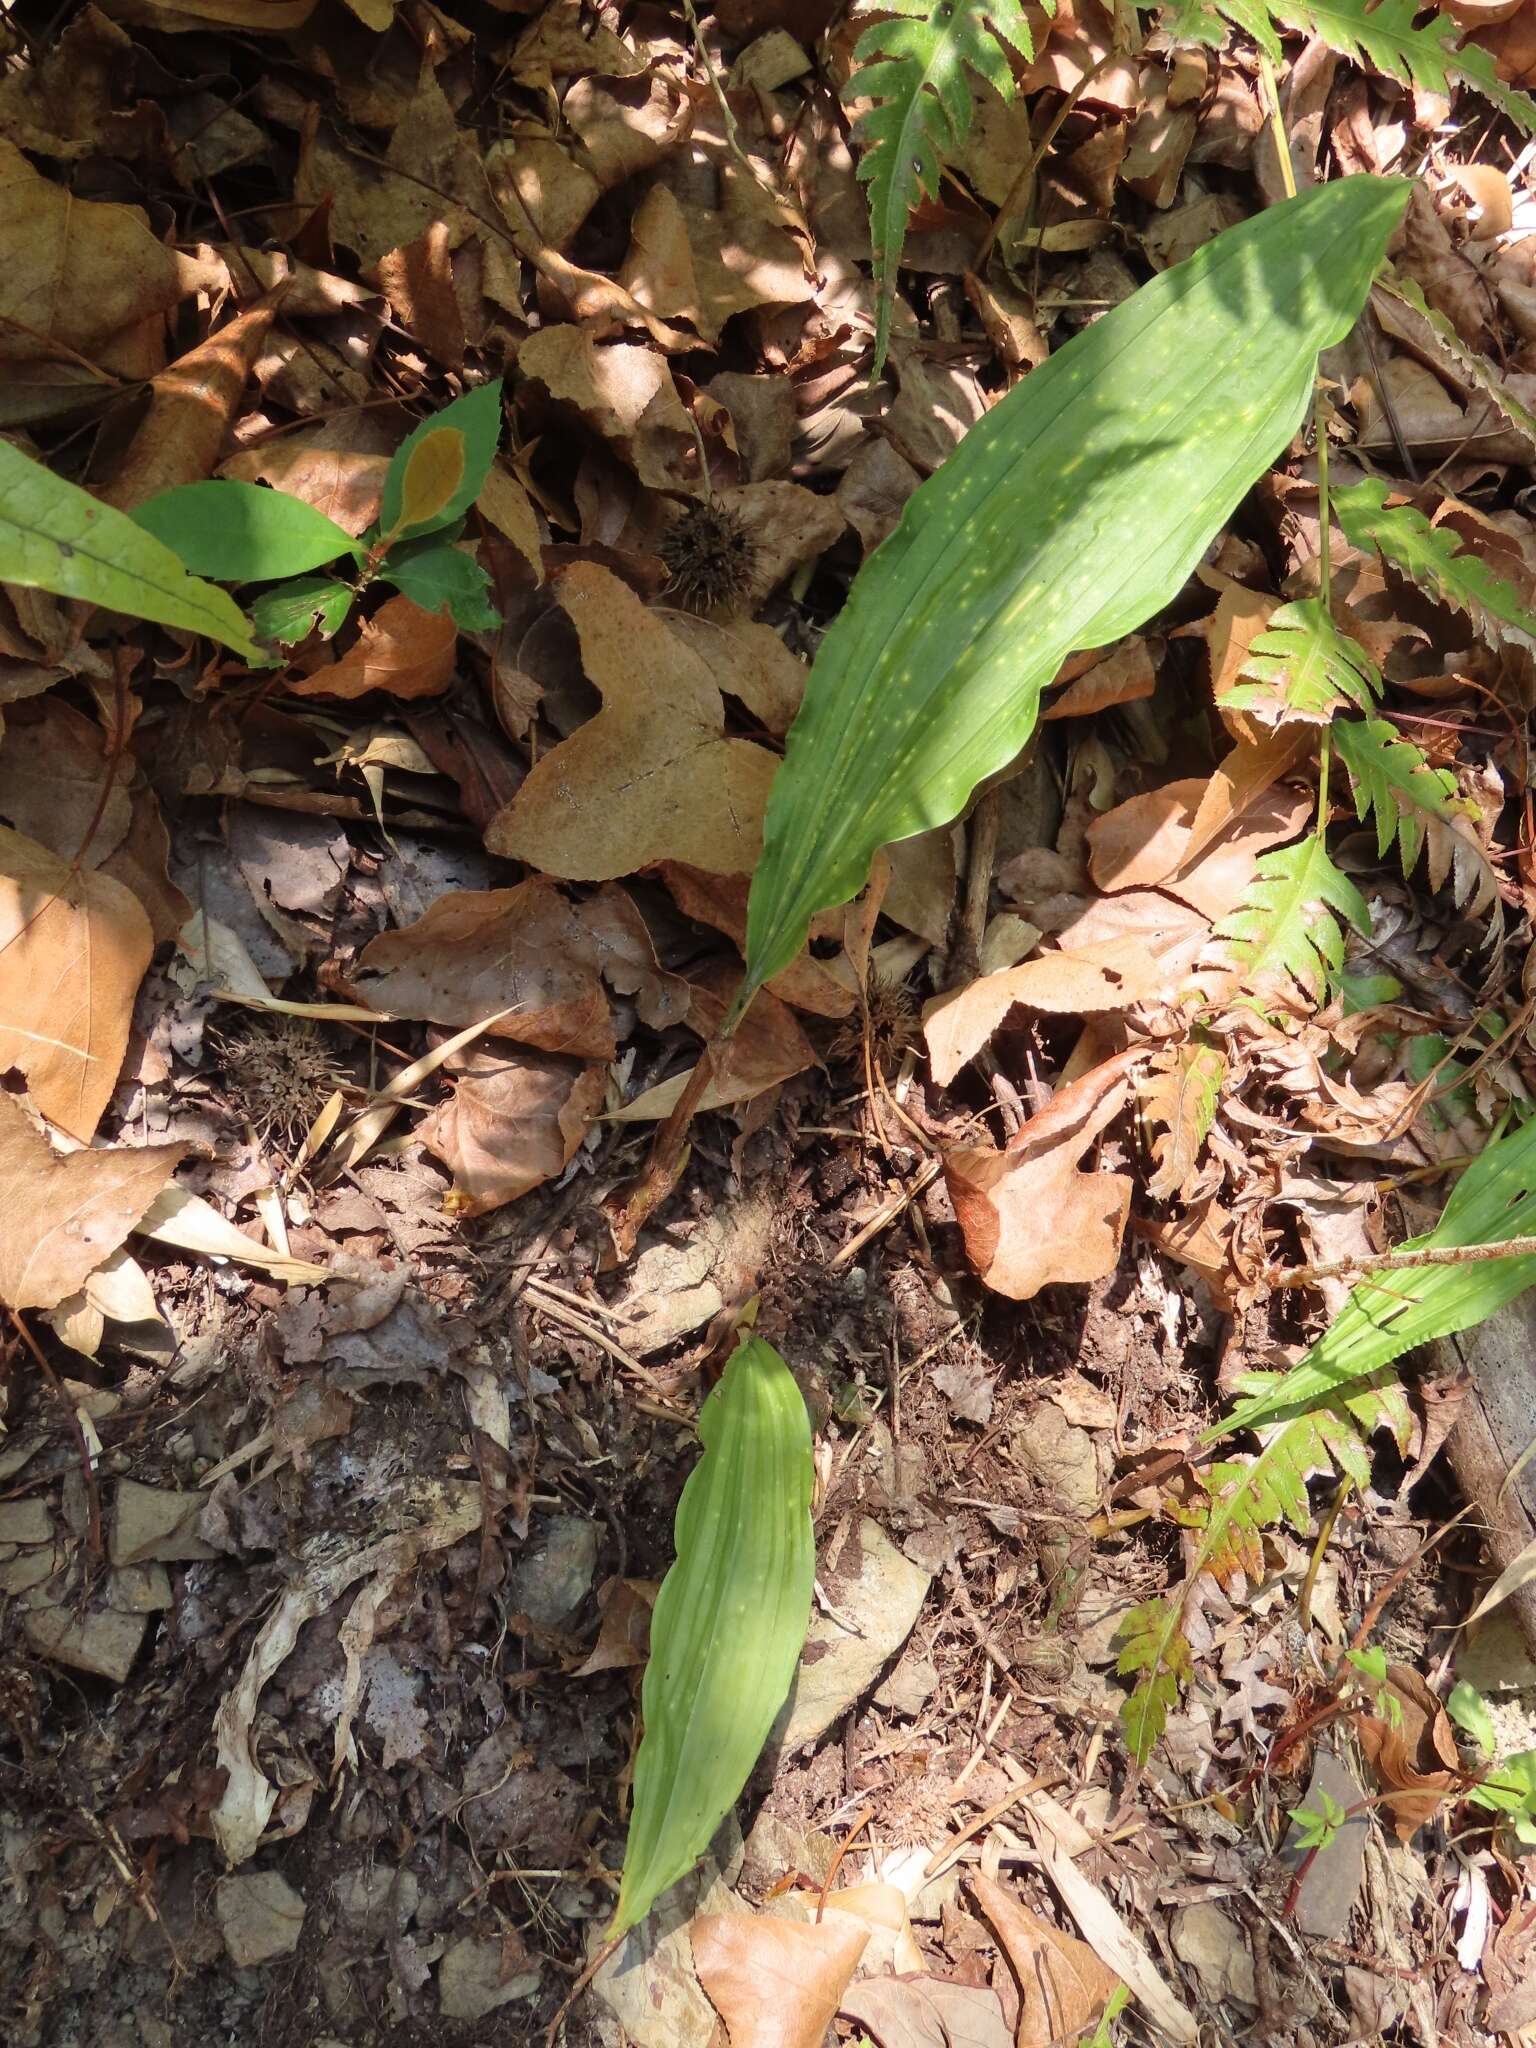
pixel 1240 780
pixel 64 1213
pixel 74 271
pixel 1124 676
pixel 73 949
pixel 1240 616
pixel 402 650
pixel 766 1048
pixel 1030 1217
pixel 624 1634
pixel 651 777
pixel 510 1125
pixel 753 663
pixel 927 2012
pixel 1413 1753
pixel 192 403
pixel 1177 1097
pixel 336 465
pixel 1063 1987
pixel 1220 877
pixel 775 1983
pixel 56 784
pixel 720 901
pixel 526 950
pixel 624 393
pixel 1106 977
pixel 417 280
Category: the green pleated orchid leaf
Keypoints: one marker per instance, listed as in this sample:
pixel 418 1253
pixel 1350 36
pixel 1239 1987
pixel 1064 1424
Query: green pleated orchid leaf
pixel 1065 518
pixel 729 1624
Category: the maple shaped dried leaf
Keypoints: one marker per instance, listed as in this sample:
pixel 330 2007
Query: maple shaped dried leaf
pixel 73 948
pixel 652 777
pixel 1178 1100
pixel 776 1983
pixel 1030 1216
pixel 63 1214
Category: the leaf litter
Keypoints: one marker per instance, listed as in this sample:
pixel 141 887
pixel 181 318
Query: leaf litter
pixel 339 999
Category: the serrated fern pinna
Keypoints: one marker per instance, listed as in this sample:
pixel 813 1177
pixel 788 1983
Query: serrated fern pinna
pixel 912 64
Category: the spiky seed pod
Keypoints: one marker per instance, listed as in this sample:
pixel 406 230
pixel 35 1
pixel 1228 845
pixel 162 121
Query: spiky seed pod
pixel 710 554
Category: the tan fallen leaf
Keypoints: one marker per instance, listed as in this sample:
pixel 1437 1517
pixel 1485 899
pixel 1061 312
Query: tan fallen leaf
pixel 1412 1750
pixel 1240 780
pixel 1106 1932
pixel 1030 1216
pixel 337 465
pixel 73 949
pixel 927 2012
pixel 186 1221
pixel 652 777
pixel 1106 977
pixel 74 272
pixel 775 1983
pixel 62 1214
pixel 720 901
pixel 624 393
pixel 624 1634
pixel 418 283
pixel 881 1909
pixel 57 784
pixel 192 403
pixel 1063 1987
pixel 402 650
pixel 1124 676
pixel 752 662
pixel 1146 840
pixel 768 1047
pixel 510 1124
pixel 525 951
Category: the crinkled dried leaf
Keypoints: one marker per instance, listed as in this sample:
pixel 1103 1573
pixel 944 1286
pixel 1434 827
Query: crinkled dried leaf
pixel 928 2012
pixel 63 1214
pixel 1063 1987
pixel 402 650
pixel 1113 976
pixel 509 1125
pixel 1030 1216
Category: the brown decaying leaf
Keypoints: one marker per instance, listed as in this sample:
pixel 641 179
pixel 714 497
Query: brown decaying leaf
pixel 402 650
pixel 73 949
pixel 1124 676
pixel 1146 839
pixel 192 403
pixel 338 466
pixel 75 272
pixel 927 2012
pixel 652 776
pixel 418 283
pixel 1063 1987
pixel 1176 1096
pixel 1416 1761
pixel 1029 1216
pixel 62 1214
pixel 775 1983
pixel 57 785
pixel 624 1634
pixel 720 901
pixel 767 1047
pixel 509 1125
pixel 1107 977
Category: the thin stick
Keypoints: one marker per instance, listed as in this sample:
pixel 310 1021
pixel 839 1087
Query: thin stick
pixel 887 1213
pixel 94 1543
pixel 1398 1261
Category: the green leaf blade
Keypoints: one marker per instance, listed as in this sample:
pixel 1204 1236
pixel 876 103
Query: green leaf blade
pixel 445 578
pixel 475 419
pixel 729 1623
pixel 242 533
pixel 290 612
pixel 56 537
pixel 1066 517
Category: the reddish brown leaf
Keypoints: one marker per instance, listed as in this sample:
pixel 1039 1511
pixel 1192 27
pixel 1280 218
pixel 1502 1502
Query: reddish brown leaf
pixel 1029 1215
pixel 1106 977
pixel 510 1125
pixel 402 650
pixel 191 407
pixel 1063 1987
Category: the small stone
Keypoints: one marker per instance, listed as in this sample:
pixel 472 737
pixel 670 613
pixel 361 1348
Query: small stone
pixel 1060 1458
pixel 909 1687
pixel 260 1916
pixel 556 1573
pixel 151 1524
pixel 778 1846
pixel 469 1980
pixel 25 1521
pixel 101 1642
pixel 1214 1948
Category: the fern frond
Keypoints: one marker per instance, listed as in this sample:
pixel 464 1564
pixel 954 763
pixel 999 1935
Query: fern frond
pixel 1302 668
pixel 1425 330
pixel 1380 35
pixel 914 69
pixel 1415 806
pixel 1434 559
pixel 1286 929
pixel 1206 21
pixel 1178 1100
pixel 1246 1496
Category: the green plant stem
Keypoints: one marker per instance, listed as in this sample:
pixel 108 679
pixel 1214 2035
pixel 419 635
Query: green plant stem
pixel 1324 517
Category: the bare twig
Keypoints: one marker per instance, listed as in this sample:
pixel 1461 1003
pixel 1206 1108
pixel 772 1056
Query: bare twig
pixel 1400 1261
